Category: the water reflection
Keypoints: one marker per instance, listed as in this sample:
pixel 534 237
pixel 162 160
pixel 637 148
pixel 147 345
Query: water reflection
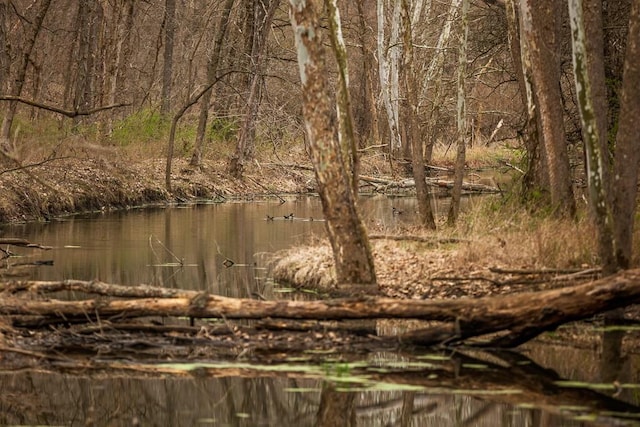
pixel 186 246
pixel 148 246
pixel 504 389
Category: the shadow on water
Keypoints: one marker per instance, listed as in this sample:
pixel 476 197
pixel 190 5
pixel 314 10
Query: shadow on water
pixel 188 247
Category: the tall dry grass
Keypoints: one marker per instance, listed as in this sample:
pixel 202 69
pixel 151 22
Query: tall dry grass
pixel 510 234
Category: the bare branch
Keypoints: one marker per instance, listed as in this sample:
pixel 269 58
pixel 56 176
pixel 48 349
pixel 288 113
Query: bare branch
pixel 67 113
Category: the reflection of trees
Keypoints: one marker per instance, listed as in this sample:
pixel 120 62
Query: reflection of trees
pixel 480 389
pixel 336 408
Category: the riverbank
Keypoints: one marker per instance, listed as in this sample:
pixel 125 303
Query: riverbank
pixel 72 185
pixel 98 178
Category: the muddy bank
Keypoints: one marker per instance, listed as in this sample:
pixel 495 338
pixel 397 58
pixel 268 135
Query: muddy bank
pixel 73 185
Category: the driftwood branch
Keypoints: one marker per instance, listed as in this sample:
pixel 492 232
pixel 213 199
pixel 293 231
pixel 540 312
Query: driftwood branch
pixel 13 241
pixel 54 109
pixel 523 315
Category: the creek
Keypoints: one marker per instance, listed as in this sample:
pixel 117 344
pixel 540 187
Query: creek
pixel 187 247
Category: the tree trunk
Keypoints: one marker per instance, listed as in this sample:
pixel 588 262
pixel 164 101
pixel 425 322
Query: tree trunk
pixel 87 29
pixel 212 68
pixel 535 177
pixel 539 23
pixel 21 71
pixel 246 140
pixel 461 117
pixel 122 51
pixel 367 110
pixel 627 155
pixel 167 67
pixel 351 251
pixel 5 56
pixel 346 133
pixel 384 71
pixel 412 122
pixel 586 61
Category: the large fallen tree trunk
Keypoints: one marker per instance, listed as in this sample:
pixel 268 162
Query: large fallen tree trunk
pixel 523 315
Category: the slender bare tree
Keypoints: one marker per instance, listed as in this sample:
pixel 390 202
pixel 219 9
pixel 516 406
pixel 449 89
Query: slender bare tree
pixel 388 57
pixel 412 121
pixel 264 13
pixel 213 61
pixel 461 117
pixel 167 66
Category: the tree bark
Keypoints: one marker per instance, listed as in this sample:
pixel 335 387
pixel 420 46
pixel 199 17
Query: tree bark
pixel 590 97
pixel 348 237
pixel 346 133
pixel 461 117
pixel 87 28
pixel 367 110
pixel 539 23
pixel 627 155
pixel 5 56
pixel 535 178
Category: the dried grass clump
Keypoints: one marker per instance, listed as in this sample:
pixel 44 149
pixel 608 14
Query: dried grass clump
pixel 309 267
pixel 478 155
pixel 513 236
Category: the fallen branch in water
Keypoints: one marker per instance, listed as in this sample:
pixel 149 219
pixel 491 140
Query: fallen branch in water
pixel 523 315
pixel 14 241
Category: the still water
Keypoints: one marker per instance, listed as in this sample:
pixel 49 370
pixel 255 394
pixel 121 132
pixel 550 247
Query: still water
pixel 187 247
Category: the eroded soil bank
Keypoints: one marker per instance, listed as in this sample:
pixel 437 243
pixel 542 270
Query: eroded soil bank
pixel 72 185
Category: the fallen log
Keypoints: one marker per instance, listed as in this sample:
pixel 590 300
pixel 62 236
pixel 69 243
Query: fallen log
pixel 523 315
pixel 470 187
